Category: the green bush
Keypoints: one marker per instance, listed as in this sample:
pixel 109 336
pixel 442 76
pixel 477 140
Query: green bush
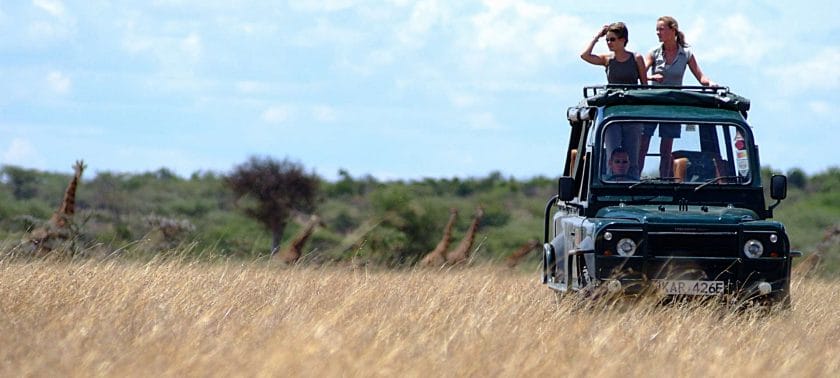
pixel 389 223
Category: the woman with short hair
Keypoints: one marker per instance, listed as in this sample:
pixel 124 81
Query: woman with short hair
pixel 622 66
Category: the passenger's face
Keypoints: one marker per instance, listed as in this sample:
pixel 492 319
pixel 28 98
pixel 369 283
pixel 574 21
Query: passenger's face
pixel 613 41
pixel 664 32
pixel 619 163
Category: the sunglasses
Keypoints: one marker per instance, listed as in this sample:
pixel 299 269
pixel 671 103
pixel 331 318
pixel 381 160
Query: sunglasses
pixel 621 161
pixel 611 39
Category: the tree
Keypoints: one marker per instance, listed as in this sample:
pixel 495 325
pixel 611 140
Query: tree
pixel 273 190
pixel 24 182
pixel 797 178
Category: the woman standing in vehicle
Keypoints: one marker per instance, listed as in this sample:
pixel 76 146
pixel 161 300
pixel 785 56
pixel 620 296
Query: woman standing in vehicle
pixel 622 67
pixel 667 63
pixel 669 60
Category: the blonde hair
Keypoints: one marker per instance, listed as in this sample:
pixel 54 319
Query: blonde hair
pixel 672 23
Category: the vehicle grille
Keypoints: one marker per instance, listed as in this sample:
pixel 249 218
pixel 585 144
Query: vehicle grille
pixel 693 244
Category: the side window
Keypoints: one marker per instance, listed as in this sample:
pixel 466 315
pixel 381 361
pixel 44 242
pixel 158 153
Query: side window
pixel 586 162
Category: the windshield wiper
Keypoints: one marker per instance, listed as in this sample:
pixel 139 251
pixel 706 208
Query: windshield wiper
pixel 716 179
pixel 649 180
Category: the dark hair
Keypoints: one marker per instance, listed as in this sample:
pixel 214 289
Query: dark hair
pixel 620 30
pixel 672 23
pixel 619 150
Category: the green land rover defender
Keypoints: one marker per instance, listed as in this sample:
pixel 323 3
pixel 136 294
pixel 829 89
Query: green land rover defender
pixel 661 192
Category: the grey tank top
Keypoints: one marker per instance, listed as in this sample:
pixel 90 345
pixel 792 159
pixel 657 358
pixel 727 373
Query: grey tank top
pixel 626 72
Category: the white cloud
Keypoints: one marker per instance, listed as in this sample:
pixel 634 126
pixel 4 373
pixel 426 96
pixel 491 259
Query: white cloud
pixel 173 44
pixel 734 39
pixel 45 31
pixel 812 73
pixel 483 121
pixel 322 5
pixel 561 34
pixel 58 82
pixel 250 87
pixel 162 48
pixel 136 44
pixel 381 57
pixel 414 62
pixel 55 8
pixel 323 113
pixel 56 25
pixel 277 114
pixel 20 152
pixel 820 107
pixel 516 37
pixel 191 45
pixel 176 51
pixel 367 65
pixel 326 33
pixel 463 100
pixel 424 16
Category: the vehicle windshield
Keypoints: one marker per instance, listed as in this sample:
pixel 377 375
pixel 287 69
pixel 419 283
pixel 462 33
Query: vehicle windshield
pixel 669 152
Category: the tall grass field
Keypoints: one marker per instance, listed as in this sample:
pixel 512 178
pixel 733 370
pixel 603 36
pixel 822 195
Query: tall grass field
pixel 179 317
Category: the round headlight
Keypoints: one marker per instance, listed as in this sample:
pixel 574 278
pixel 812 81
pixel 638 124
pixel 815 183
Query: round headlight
pixel 626 247
pixel 753 248
pixel 773 238
pixel 608 235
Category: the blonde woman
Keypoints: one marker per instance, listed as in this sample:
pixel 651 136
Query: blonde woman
pixel 667 63
pixel 669 60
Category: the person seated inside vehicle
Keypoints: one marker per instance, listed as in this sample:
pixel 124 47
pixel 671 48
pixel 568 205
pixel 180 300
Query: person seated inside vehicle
pixel 618 166
pixel 625 135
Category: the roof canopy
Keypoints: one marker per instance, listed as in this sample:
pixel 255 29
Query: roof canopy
pixel 707 97
pixel 678 113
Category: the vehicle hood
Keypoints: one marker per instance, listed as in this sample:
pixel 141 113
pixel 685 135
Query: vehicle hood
pixel 673 215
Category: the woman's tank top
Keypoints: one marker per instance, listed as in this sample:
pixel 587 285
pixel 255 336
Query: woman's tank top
pixel 626 72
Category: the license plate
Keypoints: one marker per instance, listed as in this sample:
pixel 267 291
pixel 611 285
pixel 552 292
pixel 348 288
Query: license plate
pixel 689 287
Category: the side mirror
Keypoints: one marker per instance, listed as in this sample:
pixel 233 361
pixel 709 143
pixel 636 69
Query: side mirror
pixel 566 188
pixel 778 187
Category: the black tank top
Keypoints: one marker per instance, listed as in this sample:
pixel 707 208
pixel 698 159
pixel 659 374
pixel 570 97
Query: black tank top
pixel 626 72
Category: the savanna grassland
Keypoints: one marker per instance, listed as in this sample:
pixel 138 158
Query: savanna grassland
pixel 188 317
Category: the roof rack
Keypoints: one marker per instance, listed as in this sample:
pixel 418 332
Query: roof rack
pixel 709 97
pixel 593 90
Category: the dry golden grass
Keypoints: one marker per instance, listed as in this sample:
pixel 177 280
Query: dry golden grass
pixel 176 318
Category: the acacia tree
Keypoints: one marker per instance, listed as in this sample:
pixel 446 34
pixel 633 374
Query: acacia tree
pixel 274 189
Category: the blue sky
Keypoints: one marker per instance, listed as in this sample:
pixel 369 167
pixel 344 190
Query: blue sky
pixel 395 89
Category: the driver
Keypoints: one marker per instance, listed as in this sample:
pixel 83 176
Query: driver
pixel 619 166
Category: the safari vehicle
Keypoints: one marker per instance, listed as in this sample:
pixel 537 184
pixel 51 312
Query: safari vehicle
pixel 686 217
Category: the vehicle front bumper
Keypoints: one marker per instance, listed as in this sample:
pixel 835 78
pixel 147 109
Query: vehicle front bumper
pixel 741 277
